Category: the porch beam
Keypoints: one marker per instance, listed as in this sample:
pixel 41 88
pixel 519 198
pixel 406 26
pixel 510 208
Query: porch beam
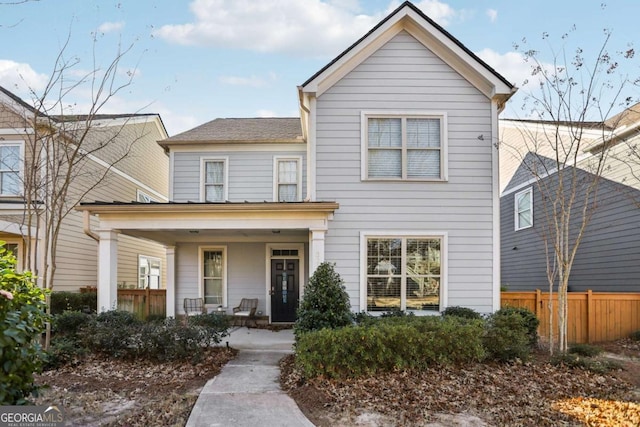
pixel 107 270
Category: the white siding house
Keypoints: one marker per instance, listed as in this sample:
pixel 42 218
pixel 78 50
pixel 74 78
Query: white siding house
pixel 390 173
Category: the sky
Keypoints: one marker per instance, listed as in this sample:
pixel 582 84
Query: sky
pixel 194 61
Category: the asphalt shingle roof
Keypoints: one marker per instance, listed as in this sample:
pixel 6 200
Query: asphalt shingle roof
pixel 273 129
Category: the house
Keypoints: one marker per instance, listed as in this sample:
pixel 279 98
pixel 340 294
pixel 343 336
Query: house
pixel 390 172
pixel 608 258
pixel 141 176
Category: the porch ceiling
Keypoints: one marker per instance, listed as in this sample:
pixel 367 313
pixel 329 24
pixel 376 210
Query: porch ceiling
pixel 172 237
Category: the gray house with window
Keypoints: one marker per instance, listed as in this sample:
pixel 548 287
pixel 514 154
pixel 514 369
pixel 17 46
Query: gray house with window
pixel 389 172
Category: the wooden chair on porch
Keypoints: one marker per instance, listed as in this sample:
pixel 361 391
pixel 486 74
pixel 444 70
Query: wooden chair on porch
pixel 193 306
pixel 246 311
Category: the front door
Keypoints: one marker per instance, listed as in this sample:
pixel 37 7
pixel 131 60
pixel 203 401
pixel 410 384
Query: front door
pixel 285 276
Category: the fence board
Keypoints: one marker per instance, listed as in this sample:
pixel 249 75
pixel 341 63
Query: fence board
pixel 143 302
pixel 592 316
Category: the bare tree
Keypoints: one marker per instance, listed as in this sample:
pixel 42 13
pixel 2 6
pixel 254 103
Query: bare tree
pixel 564 148
pixel 59 156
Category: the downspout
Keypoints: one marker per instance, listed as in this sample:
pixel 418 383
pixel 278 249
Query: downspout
pixel 86 226
pixel 304 118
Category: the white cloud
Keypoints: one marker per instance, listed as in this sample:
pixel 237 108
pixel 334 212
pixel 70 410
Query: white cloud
pixel 110 27
pixel 266 113
pixel 252 81
pixel 20 78
pixel 313 28
pixel 511 65
pixel 492 14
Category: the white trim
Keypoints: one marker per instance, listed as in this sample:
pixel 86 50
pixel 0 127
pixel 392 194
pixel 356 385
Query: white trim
pixel 150 258
pixel 172 162
pixel 20 143
pixel 15 131
pixel 225 148
pixel 404 234
pixel 300 257
pixel 495 211
pixel 276 161
pixel 123 121
pixel 313 152
pixel 516 222
pixel 225 190
pixel 225 272
pixel 404 114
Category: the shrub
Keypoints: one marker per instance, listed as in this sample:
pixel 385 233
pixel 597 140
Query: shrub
pixel 462 312
pixel 114 333
pixel 576 361
pixel 325 303
pixel 529 319
pixel 73 301
pixel 214 326
pixel 70 323
pixel 63 351
pixel 585 350
pixel 635 336
pixel 387 345
pixel 22 321
pixel 506 337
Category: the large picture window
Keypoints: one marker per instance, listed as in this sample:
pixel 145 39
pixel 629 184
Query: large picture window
pixel 404 273
pixel 399 147
pixel 287 179
pixel 523 209
pixel 214 276
pixel 10 169
pixel 214 180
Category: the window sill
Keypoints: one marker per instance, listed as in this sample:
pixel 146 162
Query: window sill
pixel 434 180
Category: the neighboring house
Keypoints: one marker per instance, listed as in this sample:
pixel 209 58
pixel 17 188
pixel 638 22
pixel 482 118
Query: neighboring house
pixel 142 176
pixel 390 173
pixel 608 258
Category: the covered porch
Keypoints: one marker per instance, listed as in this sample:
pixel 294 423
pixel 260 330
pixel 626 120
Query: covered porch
pixel 219 252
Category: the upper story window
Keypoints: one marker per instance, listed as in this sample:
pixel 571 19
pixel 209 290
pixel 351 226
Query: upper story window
pixel 10 168
pixel 523 209
pixel 400 146
pixel 214 180
pixel 287 179
pixel 143 197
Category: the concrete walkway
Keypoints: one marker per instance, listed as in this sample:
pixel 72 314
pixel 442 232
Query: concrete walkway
pixel 247 391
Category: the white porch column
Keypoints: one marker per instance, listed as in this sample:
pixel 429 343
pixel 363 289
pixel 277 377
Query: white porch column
pixel 316 249
pixel 107 270
pixel 171 280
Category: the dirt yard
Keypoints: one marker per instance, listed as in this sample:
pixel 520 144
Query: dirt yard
pixel 99 392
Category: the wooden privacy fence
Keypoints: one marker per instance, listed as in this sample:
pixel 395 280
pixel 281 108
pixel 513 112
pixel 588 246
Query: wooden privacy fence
pixel 592 317
pixel 143 302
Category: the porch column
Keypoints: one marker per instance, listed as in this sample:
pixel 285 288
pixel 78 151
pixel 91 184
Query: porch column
pixel 316 249
pixel 107 270
pixel 171 280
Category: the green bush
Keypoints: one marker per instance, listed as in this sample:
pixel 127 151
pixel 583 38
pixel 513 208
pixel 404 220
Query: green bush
pixel 22 321
pixel 506 336
pixel 585 350
pixel 325 303
pixel 529 319
pixel 635 336
pixel 64 351
pixel 462 312
pixel 70 323
pixel 387 345
pixel 73 301
pixel 114 333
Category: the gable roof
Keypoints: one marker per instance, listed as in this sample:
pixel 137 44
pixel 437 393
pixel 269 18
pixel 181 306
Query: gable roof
pixel 240 130
pixel 408 17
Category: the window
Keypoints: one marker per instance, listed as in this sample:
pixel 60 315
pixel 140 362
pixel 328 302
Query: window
pixel 404 273
pixel 10 168
pixel 407 147
pixel 214 180
pixel 286 185
pixel 524 209
pixel 149 269
pixel 214 275
pixel 143 197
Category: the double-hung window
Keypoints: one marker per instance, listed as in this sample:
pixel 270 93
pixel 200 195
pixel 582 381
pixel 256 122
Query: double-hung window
pixel 287 179
pixel 10 168
pixel 523 209
pixel 213 267
pixel 404 272
pixel 404 147
pixel 214 180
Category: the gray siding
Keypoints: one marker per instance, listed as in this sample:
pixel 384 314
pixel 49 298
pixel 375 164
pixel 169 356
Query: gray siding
pixel 404 75
pixel 250 174
pixel 608 259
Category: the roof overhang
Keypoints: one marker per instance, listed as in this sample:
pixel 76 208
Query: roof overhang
pixel 409 18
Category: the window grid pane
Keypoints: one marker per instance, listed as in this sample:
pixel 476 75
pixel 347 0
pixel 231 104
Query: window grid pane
pixel 385 132
pixel 523 210
pixel 287 180
pixel 213 277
